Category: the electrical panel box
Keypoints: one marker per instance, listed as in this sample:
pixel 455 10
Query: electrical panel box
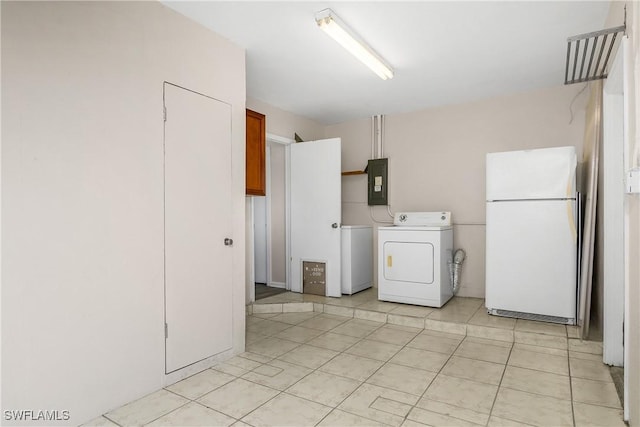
pixel 377 182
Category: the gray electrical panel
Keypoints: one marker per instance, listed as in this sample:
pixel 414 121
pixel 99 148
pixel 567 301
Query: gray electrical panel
pixel 377 182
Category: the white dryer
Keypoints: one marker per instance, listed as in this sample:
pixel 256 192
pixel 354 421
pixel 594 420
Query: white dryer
pixel 413 257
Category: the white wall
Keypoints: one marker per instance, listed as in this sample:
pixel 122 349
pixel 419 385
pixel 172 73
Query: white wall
pixel 82 195
pixel 437 160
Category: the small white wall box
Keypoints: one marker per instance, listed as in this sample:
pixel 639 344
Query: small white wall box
pixel 633 181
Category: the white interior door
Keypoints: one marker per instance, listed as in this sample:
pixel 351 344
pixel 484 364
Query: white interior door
pixel 198 210
pixel 315 210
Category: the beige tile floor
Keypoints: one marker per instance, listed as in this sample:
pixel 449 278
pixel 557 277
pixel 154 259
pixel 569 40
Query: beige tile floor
pixel 307 368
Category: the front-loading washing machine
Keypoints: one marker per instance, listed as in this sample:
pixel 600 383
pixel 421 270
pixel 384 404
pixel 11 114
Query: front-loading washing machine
pixel 413 257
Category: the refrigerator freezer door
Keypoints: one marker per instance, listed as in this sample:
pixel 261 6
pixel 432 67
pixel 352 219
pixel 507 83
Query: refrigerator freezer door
pixel 548 173
pixel 531 257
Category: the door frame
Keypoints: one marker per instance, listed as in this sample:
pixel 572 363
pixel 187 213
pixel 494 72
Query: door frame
pixel 274 139
pixel 264 217
pixel 616 144
pixel 250 270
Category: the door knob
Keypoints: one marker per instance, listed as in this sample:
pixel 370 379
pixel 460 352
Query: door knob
pixel 228 242
pixel 334 225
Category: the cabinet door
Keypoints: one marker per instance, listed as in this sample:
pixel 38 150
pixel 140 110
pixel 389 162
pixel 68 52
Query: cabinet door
pixel 255 156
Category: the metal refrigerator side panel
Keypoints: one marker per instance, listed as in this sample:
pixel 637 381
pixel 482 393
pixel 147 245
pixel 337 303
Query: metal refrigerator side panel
pixel 531 251
pixel 548 173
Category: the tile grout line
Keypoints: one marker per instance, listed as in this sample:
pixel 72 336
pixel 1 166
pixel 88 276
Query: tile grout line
pixel 365 380
pixel 113 421
pixel 344 351
pixel 312 371
pixel 573 409
pixel 323 332
pixel 360 339
pixel 495 398
pixel 175 409
pixel 339 353
pixel 422 396
pixel 388 361
pixel 405 345
pixel 236 377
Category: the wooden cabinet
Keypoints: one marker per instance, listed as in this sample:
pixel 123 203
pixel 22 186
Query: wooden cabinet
pixel 255 155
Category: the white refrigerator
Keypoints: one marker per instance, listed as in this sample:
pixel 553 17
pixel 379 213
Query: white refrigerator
pixel 532 234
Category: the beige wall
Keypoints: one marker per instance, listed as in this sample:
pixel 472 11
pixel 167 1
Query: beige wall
pixel 285 124
pixel 437 160
pixel 82 195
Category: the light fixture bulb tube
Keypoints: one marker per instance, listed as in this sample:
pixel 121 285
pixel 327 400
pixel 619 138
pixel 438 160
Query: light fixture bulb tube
pixel 332 25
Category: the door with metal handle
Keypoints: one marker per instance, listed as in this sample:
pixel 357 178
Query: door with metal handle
pixel 315 186
pixel 228 242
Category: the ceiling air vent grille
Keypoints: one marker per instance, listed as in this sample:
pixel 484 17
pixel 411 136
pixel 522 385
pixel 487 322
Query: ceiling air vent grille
pixel 588 55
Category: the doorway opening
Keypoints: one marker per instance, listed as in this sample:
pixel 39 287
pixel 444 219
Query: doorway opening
pixel 301 215
pixel 269 223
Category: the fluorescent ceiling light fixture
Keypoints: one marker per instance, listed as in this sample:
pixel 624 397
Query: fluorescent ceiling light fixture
pixel 332 25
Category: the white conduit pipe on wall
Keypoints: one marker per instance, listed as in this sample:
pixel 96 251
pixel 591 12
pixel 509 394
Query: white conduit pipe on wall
pixel 373 137
pixel 381 136
pixel 377 152
pixel 377 137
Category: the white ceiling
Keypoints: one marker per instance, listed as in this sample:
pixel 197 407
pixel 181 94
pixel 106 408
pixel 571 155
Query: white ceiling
pixel 442 52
